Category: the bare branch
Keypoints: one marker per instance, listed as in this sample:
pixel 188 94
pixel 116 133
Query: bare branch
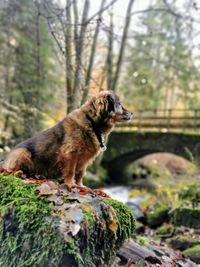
pixel 101 11
pixel 55 38
pixel 169 10
pixel 156 10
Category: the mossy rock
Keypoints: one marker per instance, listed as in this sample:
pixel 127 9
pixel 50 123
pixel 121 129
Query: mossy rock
pixel 59 230
pixel 193 253
pixel 188 217
pixel 183 242
pixel 158 215
pixel 167 230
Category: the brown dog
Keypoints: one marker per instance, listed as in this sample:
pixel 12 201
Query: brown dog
pixel 67 148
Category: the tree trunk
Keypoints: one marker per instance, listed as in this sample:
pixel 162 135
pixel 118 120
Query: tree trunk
pixel 80 46
pixel 110 54
pixel 93 49
pixel 76 33
pixel 123 42
pixel 68 57
pixel 38 60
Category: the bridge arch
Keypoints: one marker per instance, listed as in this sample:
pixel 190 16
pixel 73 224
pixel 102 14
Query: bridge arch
pixel 126 147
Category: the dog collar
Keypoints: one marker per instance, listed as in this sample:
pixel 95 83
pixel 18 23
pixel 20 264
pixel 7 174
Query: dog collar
pixel 102 143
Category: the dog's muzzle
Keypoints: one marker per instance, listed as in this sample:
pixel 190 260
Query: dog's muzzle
pixel 127 116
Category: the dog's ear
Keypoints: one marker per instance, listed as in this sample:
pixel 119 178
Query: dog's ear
pixel 105 105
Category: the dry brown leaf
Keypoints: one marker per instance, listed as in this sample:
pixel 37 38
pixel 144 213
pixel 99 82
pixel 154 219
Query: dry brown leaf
pixel 45 189
pixel 66 206
pixel 101 193
pixel 55 199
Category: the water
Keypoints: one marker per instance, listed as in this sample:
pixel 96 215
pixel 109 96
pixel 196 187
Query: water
pixel 120 193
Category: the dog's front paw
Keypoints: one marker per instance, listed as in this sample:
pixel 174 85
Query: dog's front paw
pixel 70 186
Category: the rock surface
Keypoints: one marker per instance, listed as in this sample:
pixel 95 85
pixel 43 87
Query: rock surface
pixel 156 254
pixel 47 226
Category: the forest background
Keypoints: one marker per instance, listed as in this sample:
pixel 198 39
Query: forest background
pixel 53 55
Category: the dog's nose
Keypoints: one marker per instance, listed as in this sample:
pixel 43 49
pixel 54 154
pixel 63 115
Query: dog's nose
pixel 129 115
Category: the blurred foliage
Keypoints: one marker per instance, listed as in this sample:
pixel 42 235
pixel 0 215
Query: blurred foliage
pixel 29 70
pixel 97 179
pixel 162 186
pixel 160 65
pixel 190 193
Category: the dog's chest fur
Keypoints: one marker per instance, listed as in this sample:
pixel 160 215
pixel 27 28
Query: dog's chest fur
pixel 80 139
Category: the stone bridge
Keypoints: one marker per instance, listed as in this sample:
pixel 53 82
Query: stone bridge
pixel 126 147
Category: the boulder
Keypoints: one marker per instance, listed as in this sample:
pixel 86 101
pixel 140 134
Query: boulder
pixel 47 226
pixel 158 215
pixel 183 242
pixel 193 253
pixel 189 217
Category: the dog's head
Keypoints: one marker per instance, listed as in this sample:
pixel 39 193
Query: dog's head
pixel 107 106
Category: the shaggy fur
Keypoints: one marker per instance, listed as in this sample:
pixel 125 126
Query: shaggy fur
pixel 67 148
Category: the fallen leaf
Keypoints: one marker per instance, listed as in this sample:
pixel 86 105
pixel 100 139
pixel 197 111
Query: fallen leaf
pixel 101 193
pixel 66 206
pixel 63 191
pixel 52 185
pixel 83 192
pixel 18 173
pixel 45 189
pixel 55 199
pixel 33 181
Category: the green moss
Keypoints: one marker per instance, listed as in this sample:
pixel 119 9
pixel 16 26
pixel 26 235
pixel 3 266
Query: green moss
pixel 125 219
pixel 140 263
pixel 183 242
pixel 88 216
pixel 165 230
pixel 158 215
pixel 73 252
pixel 143 241
pixel 29 235
pixel 187 217
pixel 119 218
pixel 190 192
pixel 188 239
pixel 193 253
pixel 26 228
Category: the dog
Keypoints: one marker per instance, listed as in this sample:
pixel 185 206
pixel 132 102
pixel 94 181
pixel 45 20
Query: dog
pixel 66 149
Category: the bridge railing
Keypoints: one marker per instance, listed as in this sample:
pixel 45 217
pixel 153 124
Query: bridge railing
pixel 163 120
